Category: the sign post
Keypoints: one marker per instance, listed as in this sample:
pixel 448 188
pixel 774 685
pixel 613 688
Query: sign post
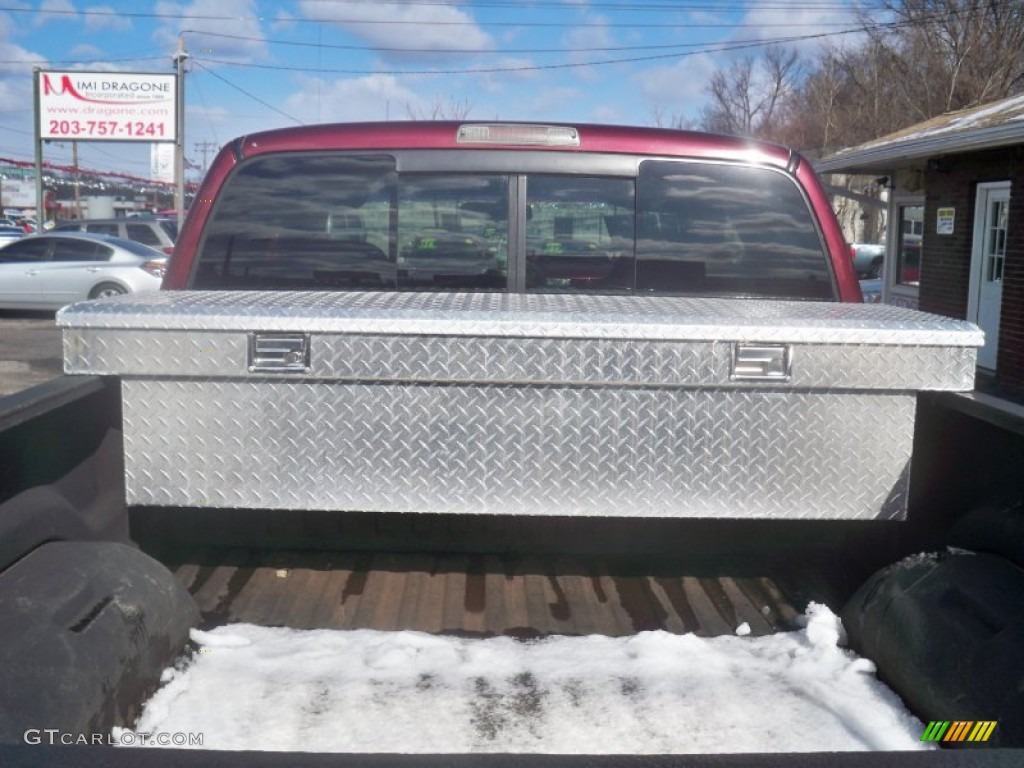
pixel 179 140
pixel 40 211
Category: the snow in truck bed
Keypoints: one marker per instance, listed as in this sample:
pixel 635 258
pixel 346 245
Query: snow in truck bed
pixel 251 687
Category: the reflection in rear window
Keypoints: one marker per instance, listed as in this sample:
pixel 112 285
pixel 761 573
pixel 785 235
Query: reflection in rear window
pixel 453 232
pixel 726 230
pixel 302 222
pixel 328 221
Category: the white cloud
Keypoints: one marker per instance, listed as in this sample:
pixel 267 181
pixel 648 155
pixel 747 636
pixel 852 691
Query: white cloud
pixel 237 18
pixel 16 99
pixel 607 113
pixel 7 24
pixel 513 35
pixel 85 51
pixel 100 65
pixel 772 19
pixel 55 10
pixel 677 89
pixel 15 62
pixel 596 34
pixel 430 28
pixel 283 20
pixel 371 97
pixel 99 17
pixel 516 71
pixel 554 100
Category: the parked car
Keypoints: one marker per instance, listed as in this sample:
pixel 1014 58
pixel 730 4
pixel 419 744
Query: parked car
pixel 156 232
pixel 8 234
pixel 871 290
pixel 868 259
pixel 47 271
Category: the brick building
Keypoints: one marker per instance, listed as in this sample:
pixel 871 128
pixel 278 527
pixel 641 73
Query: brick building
pixel 955 243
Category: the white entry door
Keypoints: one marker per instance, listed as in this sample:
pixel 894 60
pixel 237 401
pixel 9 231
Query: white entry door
pixel 987 257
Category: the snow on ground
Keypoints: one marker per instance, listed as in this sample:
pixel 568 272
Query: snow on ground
pixel 250 687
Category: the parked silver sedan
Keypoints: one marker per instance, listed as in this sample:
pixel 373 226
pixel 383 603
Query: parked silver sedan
pixel 8 234
pixel 50 270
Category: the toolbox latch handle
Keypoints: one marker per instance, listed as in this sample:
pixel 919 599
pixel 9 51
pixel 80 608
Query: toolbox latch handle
pixel 279 352
pixel 761 362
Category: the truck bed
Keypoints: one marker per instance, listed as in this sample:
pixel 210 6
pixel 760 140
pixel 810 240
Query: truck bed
pixel 472 576
pixel 473 595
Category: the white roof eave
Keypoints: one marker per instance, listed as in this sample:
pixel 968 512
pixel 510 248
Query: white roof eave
pixel 911 151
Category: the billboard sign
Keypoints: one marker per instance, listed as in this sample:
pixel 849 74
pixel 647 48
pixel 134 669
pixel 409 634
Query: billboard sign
pixel 18 193
pixel 161 163
pixel 106 106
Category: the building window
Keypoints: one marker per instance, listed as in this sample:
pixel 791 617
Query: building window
pixel 908 245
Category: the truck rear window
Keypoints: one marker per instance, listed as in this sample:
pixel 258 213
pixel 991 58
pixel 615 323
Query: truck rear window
pixel 312 221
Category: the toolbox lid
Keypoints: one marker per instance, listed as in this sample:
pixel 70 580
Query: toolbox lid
pixel 525 316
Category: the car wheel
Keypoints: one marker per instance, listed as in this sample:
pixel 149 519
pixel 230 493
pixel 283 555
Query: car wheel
pixel 106 290
pixel 876 269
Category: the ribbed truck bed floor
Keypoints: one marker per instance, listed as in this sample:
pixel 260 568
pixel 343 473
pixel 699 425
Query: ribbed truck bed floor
pixel 481 595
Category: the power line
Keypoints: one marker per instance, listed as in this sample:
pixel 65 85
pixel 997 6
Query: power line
pixel 699 48
pixel 439 22
pixel 252 96
pixel 503 51
pixel 206 110
pixel 560 5
pixel 204 147
pixel 81 61
pixel 721 48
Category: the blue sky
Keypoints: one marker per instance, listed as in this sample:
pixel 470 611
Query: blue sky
pixel 256 65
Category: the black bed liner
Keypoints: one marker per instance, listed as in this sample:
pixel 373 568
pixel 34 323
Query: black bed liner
pixel 110 757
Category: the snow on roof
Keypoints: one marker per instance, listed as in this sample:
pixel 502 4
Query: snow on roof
pixel 985 116
pixel 998 123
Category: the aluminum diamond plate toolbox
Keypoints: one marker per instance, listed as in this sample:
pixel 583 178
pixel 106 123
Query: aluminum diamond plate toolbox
pixel 519 404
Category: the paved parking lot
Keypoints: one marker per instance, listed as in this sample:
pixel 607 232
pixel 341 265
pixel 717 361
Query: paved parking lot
pixel 30 350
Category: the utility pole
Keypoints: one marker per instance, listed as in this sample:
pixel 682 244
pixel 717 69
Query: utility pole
pixel 204 147
pixel 179 139
pixel 74 170
pixel 38 141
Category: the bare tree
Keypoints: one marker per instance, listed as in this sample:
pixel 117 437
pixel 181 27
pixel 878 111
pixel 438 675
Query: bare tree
pixel 750 97
pixel 675 121
pixel 952 54
pixel 850 96
pixel 918 59
pixel 440 109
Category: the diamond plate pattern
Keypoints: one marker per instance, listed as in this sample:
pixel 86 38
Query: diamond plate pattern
pixel 524 315
pixel 450 359
pixel 150 353
pixel 518 450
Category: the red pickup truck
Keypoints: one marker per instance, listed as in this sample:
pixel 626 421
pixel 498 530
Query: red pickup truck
pixel 516 380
